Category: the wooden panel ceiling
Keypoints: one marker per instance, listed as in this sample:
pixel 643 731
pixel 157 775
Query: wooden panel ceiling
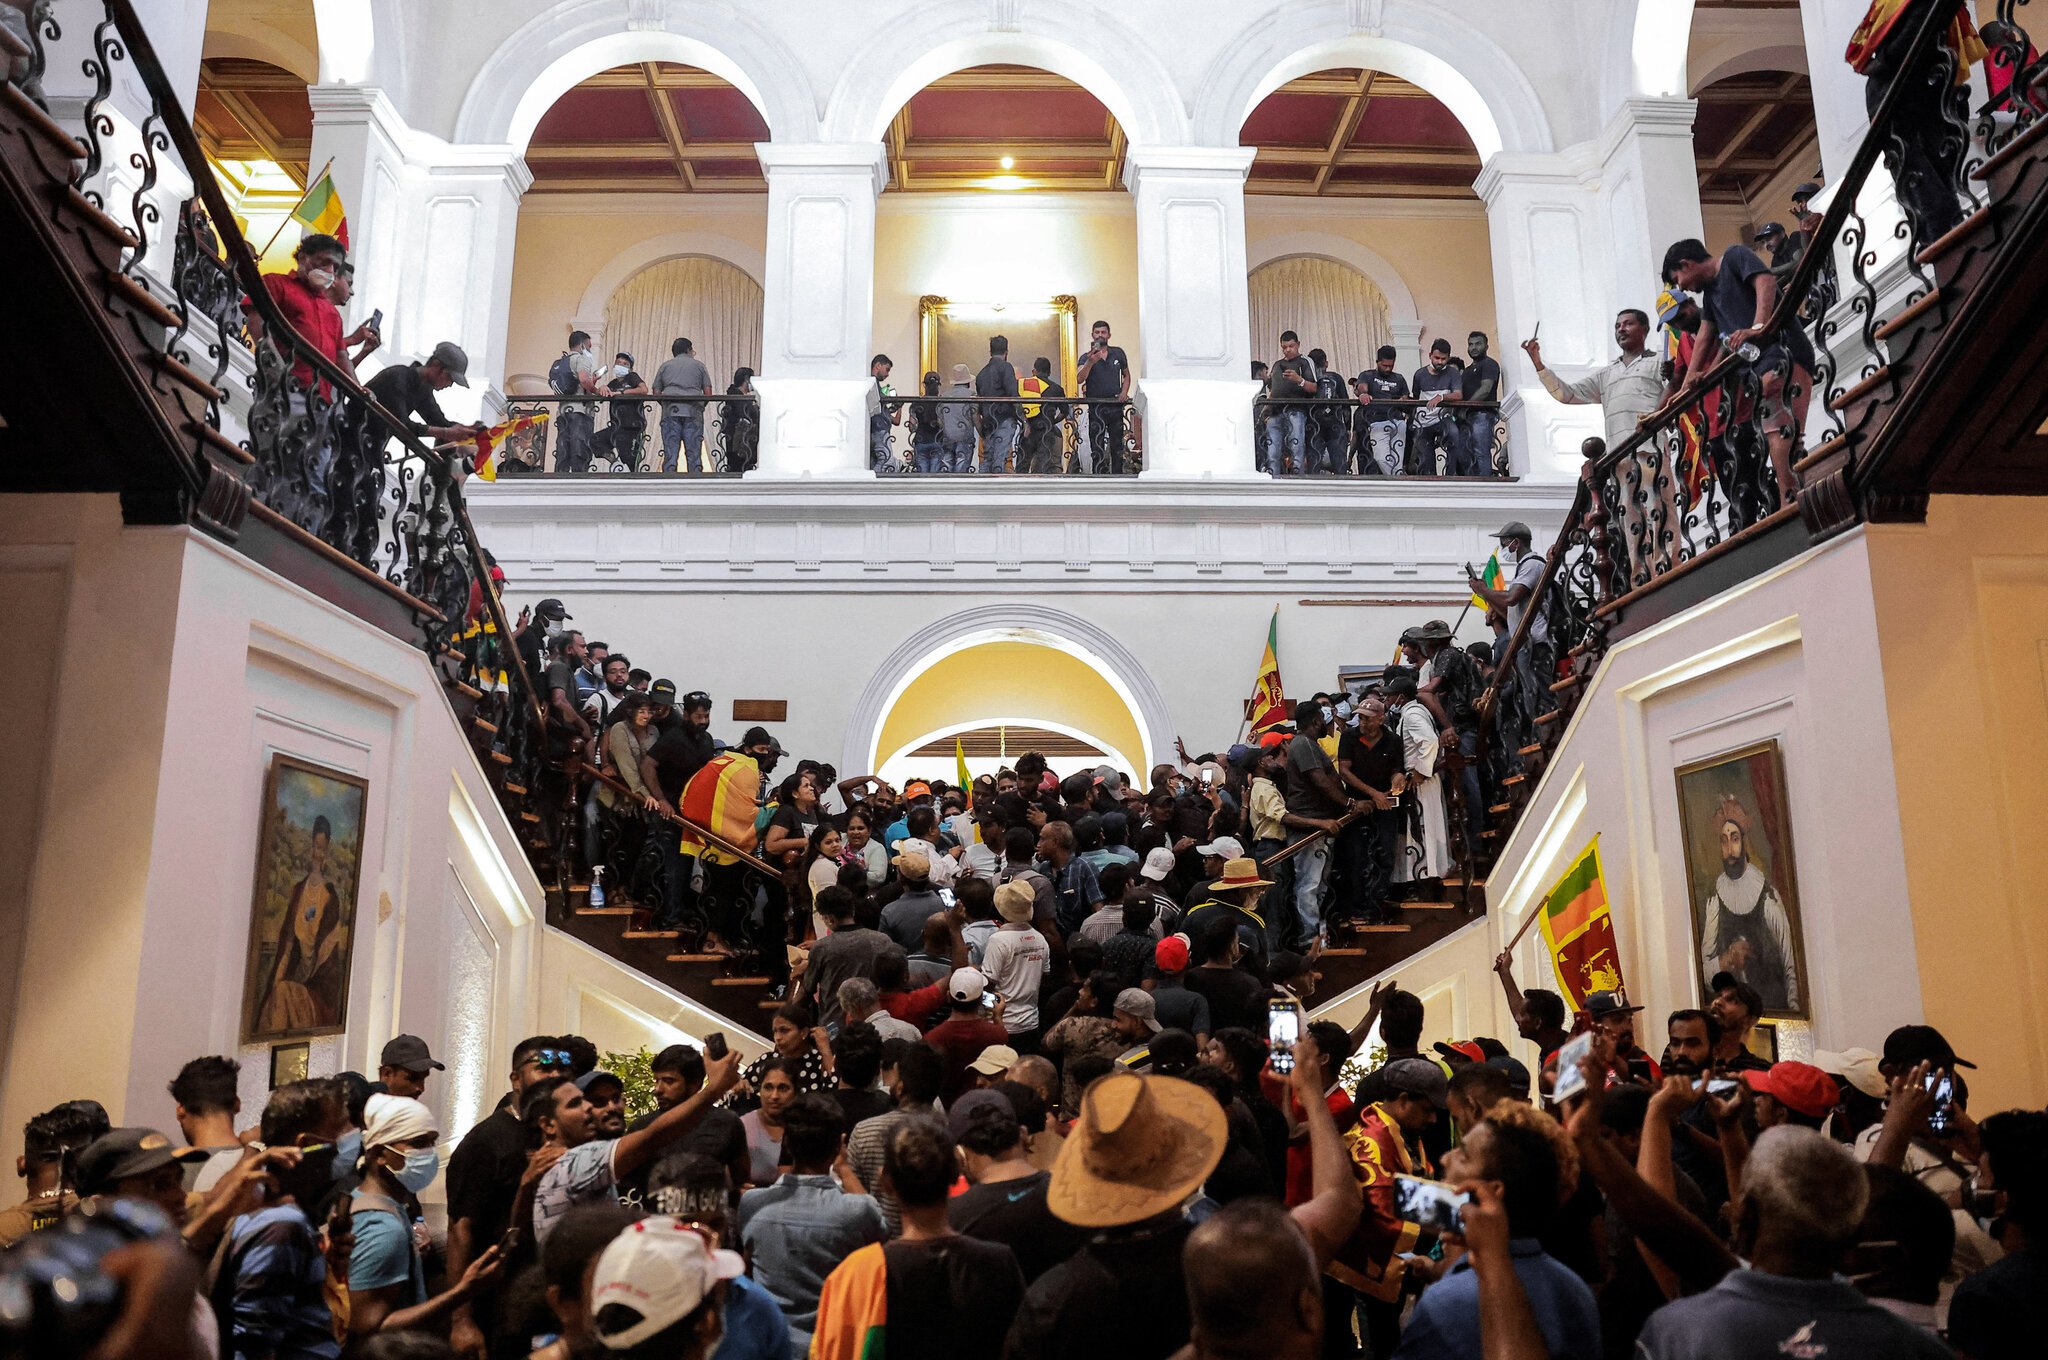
pixel 1354 134
pixel 252 111
pixel 993 743
pixel 650 126
pixel 1749 130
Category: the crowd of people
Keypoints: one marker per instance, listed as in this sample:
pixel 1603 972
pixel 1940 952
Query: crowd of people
pixel 1438 422
pixel 907 1172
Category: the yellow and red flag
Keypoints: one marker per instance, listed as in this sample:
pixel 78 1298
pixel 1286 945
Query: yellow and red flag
pixel 1269 703
pixel 723 797
pixel 320 209
pixel 1492 579
pixel 1579 929
pixel 490 441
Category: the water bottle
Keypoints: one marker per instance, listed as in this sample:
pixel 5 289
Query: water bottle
pixel 1748 352
pixel 597 887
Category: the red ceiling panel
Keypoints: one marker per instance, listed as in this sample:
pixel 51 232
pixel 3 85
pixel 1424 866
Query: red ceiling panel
pixel 749 169
pixel 1067 114
pixel 1293 120
pixel 585 114
pixel 607 168
pixel 1409 121
pixel 1429 176
pixel 286 110
pixel 720 115
pixel 1267 170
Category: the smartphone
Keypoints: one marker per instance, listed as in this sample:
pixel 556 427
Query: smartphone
pixel 1570 1080
pixel 1942 1118
pixel 1720 1088
pixel 946 896
pixel 988 1002
pixel 509 1243
pixel 714 1044
pixel 377 320
pixel 1283 1032
pixel 1430 1203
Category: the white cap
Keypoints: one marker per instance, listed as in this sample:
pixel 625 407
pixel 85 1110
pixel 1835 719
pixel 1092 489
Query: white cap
pixel 1223 847
pixel 1857 1066
pixel 968 984
pixel 1158 864
pixel 661 1268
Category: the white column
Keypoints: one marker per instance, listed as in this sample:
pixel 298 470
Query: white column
pixel 1650 190
pixel 819 300
pixel 459 250
pixel 1406 338
pixel 1194 312
pixel 1839 115
pixel 1549 267
pixel 359 129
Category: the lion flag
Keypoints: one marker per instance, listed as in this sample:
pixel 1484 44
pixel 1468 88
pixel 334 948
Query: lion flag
pixel 1579 929
pixel 1269 703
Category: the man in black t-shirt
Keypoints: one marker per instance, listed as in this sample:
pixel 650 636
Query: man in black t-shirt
pixel 483 1183
pixel 1289 382
pixel 1476 426
pixel 1434 435
pixel 1005 1201
pixel 1105 377
pixel 1382 434
pixel 566 722
pixel 1369 757
pixel 628 417
pixel 678 1073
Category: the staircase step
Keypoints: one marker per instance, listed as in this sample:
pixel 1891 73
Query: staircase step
pixel 533 817
pixel 768 1003
pixel 1390 928
pixel 1492 833
pixel 479 723
pixel 1459 883
pixel 98 219
pixel 1534 748
pixel 1431 906
pixel 1824 450
pixel 1855 394
pixel 1956 235
pixel 1514 781
pixel 1499 808
pixel 516 790
pixel 142 299
pixel 501 757
pixel 1344 952
pixel 46 127
pixel 2019 148
pixel 470 690
pixel 1570 682
pixel 1911 314
pixel 651 935
pixel 604 911
pixel 739 982
pixel 696 958
pixel 579 888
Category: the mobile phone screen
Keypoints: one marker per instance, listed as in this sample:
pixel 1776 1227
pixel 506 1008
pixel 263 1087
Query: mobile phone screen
pixel 946 896
pixel 1570 1080
pixel 1942 1118
pixel 1721 1088
pixel 988 1002
pixel 1430 1203
pixel 1283 1031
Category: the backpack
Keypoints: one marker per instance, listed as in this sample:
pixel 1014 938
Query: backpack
pixel 562 380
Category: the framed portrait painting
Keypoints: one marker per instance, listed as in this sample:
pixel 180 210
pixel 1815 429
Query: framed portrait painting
pixel 1740 878
pixel 302 920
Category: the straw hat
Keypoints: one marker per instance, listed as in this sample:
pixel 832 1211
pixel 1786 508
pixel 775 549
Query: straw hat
pixel 1141 1146
pixel 1240 873
pixel 1015 902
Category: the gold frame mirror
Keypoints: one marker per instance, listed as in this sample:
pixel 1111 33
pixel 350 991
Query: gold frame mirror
pixel 951 333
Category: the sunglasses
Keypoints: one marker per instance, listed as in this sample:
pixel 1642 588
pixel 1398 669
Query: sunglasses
pixel 696 698
pixel 549 1057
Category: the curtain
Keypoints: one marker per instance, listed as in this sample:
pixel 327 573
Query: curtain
pixel 715 304
pixel 1332 307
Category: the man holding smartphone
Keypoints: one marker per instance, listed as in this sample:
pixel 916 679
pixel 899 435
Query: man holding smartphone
pixel 1105 378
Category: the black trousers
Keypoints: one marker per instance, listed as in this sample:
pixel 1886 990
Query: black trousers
pixel 1924 151
pixel 1106 438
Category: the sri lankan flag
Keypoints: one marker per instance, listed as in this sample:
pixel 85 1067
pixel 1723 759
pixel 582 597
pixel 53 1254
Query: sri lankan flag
pixel 490 441
pixel 321 210
pixel 1492 579
pixel 960 774
pixel 723 797
pixel 1269 703
pixel 1580 930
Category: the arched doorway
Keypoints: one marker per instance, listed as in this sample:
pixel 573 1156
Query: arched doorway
pixel 715 304
pixel 1006 666
pixel 1343 308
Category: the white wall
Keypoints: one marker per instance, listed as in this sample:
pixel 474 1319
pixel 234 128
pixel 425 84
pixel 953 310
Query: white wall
pixel 1791 655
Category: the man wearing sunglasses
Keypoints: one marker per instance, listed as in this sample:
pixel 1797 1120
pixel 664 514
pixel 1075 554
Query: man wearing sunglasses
pixel 483 1181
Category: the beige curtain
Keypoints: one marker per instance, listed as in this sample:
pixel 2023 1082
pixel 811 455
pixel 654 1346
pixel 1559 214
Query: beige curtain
pixel 1332 307
pixel 711 302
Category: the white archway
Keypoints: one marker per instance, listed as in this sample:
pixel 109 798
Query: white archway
pixel 554 52
pixel 1341 250
pixel 1123 760
pixel 1481 85
pixel 264 43
pixel 880 78
pixel 750 260
pixel 1722 60
pixel 1007 621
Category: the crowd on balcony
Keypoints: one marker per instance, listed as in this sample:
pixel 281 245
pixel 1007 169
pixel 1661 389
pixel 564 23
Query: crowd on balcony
pixel 1440 421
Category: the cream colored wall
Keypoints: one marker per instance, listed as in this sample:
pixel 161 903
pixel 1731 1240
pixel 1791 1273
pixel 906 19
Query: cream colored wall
pixel 973 247
pixel 1440 250
pixel 1019 681
pixel 1962 623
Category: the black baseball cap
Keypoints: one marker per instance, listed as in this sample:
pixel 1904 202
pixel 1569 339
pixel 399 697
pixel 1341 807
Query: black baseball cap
pixel 409 1051
pixel 120 1153
pixel 1608 1003
pixel 758 736
pixel 552 609
pixel 1749 996
pixel 1770 229
pixel 1517 1074
pixel 1911 1044
pixel 663 692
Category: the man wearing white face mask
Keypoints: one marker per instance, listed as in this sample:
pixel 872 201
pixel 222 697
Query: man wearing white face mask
pixel 302 298
pixel 386 1286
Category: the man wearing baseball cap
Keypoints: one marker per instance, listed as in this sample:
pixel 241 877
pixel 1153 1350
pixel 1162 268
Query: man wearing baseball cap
pixel 1135 1019
pixel 1936 1159
pixel 1173 1005
pixel 1792 1093
pixel 136 1164
pixel 967 1031
pixel 404 1065
pixel 1612 1015
pixel 658 1290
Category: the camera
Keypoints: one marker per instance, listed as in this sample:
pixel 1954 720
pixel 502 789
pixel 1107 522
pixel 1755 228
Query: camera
pixel 1430 1203
pixel 55 1295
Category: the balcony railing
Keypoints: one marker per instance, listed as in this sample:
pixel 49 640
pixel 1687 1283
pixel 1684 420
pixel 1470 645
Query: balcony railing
pixel 1398 438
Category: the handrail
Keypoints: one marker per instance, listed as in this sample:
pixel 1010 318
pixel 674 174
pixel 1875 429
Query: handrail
pixel 719 842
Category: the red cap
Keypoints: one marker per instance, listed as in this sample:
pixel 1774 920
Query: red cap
pixel 1171 954
pixel 1800 1087
pixel 1464 1048
pixel 917 788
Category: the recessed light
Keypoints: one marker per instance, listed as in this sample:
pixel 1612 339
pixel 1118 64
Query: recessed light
pixel 1008 162
pixel 1004 182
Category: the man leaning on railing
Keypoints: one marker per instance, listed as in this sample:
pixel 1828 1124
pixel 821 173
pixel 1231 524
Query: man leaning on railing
pixel 682 374
pixel 302 297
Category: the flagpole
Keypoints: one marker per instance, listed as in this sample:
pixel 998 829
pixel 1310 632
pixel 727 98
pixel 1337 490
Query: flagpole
pixel 304 194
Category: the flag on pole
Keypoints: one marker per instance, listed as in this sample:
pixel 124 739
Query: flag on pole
pixel 320 209
pixel 1492 579
pixel 1269 703
pixel 1579 929
pixel 965 779
pixel 491 441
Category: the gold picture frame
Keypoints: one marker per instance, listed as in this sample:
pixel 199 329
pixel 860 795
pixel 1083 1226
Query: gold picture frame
pixel 951 333
pixel 302 924
pixel 1733 807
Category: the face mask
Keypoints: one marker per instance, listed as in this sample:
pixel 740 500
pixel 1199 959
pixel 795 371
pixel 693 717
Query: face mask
pixel 347 1149
pixel 321 278
pixel 620 370
pixel 421 1166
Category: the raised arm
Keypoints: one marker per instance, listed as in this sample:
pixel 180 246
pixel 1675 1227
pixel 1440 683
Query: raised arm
pixel 1332 1212
pixel 637 1149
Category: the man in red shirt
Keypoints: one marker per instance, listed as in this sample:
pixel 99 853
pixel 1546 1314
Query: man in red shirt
pixel 966 1031
pixel 302 297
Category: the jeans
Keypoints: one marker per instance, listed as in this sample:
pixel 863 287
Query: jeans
pixel 1277 897
pixel 1389 443
pixel 319 503
pixel 1475 431
pixel 996 446
pixel 1038 449
pixel 682 423
pixel 881 457
pixel 1433 449
pixel 1311 876
pixel 1287 443
pixel 1106 438
pixel 1468 784
pixel 957 455
pixel 572 441
pixel 928 454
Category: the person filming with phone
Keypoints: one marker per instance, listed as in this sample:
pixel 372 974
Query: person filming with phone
pixel 1105 377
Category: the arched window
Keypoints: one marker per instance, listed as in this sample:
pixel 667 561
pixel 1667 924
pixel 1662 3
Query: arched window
pixel 1331 306
pixel 714 303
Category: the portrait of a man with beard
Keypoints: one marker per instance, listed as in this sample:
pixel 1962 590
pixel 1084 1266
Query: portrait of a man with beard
pixel 1738 866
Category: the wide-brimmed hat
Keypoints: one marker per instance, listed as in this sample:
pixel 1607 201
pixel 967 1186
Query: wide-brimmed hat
pixel 1240 873
pixel 1141 1146
pixel 1857 1066
pixel 1015 902
pixel 1436 630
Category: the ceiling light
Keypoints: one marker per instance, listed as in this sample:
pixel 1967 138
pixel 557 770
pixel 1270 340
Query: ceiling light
pixel 1005 182
pixel 1009 162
